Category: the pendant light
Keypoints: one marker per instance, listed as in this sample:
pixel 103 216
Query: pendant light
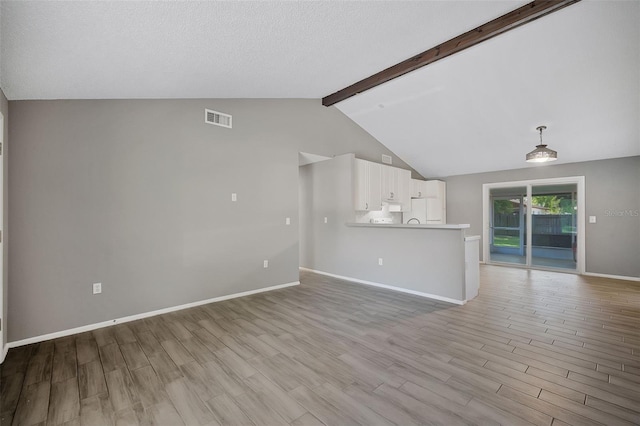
pixel 541 154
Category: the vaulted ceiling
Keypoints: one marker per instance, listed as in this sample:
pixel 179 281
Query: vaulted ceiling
pixel 576 71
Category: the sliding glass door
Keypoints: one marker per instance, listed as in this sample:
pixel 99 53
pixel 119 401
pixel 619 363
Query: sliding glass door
pixel 554 226
pixel 508 218
pixel 535 223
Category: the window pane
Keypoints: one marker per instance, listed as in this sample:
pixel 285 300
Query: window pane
pixel 553 226
pixel 506 238
pixel 506 213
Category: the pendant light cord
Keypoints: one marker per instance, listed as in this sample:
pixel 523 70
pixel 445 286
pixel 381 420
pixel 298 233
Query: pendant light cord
pixel 540 129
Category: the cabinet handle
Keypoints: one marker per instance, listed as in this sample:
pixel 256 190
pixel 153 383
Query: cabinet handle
pixel 392 195
pixel 419 194
pixel 366 206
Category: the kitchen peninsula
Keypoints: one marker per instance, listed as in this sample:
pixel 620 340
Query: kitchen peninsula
pixel 435 261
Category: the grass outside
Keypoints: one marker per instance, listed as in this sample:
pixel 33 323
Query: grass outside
pixel 506 241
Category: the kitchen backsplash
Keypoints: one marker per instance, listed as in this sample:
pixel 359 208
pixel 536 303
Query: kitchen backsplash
pixel 366 217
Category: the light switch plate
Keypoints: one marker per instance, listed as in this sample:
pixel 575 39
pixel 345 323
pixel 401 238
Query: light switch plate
pixel 234 197
pixel 97 288
pixel 325 220
pixel 287 221
pixel 266 263
pixel 592 219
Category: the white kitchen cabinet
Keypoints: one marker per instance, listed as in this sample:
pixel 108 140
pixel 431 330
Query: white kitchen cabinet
pixel 367 185
pixel 436 202
pixel 396 186
pixel 435 188
pixel 418 188
pixel 405 189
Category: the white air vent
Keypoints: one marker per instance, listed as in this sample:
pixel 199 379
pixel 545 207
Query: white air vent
pixel 217 118
pixel 386 159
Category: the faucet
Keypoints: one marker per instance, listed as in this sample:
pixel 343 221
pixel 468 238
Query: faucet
pixel 413 218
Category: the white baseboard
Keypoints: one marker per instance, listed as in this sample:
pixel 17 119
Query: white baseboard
pixel 129 318
pixel 3 355
pixel 615 277
pixel 388 287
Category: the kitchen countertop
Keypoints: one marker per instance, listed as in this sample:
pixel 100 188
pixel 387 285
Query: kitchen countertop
pixel 410 225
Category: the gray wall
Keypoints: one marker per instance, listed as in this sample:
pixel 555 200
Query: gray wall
pixel 4 109
pixel 136 194
pixel 612 244
pixel 425 260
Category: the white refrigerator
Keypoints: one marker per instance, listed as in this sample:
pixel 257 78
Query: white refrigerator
pixel 427 211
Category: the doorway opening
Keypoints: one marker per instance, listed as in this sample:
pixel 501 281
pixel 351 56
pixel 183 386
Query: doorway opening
pixel 535 224
pixel 305 206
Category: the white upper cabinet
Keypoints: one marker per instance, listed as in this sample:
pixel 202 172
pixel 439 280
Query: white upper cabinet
pixel 375 183
pixel 435 188
pixel 367 185
pixel 405 189
pixel 418 188
pixel 396 186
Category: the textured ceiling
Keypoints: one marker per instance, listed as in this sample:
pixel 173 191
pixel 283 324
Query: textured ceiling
pixel 175 49
pixel 577 71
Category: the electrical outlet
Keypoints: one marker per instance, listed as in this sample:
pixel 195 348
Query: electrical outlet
pixel 380 261
pixel 97 288
pixel 266 263
pixel 287 221
pixel 592 219
pixel 325 220
pixel 234 196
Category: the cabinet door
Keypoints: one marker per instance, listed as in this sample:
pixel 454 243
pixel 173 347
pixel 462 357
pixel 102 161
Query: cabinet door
pixel 418 188
pixel 433 188
pixel 404 189
pixel 396 186
pixel 388 190
pixel 390 184
pixel 366 185
pixel 361 185
pixel 375 186
pixel 443 193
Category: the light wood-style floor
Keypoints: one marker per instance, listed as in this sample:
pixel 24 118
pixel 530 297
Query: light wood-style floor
pixel 534 347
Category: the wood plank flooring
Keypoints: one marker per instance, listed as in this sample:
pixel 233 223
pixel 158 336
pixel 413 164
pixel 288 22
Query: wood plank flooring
pixel 533 348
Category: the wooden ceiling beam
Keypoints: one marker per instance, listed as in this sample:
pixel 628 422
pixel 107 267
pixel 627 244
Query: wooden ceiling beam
pixel 523 15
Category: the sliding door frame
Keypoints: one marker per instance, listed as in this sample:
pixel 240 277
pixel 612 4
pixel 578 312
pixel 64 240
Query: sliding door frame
pixel 522 237
pixel 529 184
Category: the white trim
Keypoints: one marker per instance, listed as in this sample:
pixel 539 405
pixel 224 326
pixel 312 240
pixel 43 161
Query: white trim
pixel 536 268
pixel 529 229
pixel 388 287
pixel 581 254
pixel 130 318
pixel 485 223
pixel 615 277
pixel 3 315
